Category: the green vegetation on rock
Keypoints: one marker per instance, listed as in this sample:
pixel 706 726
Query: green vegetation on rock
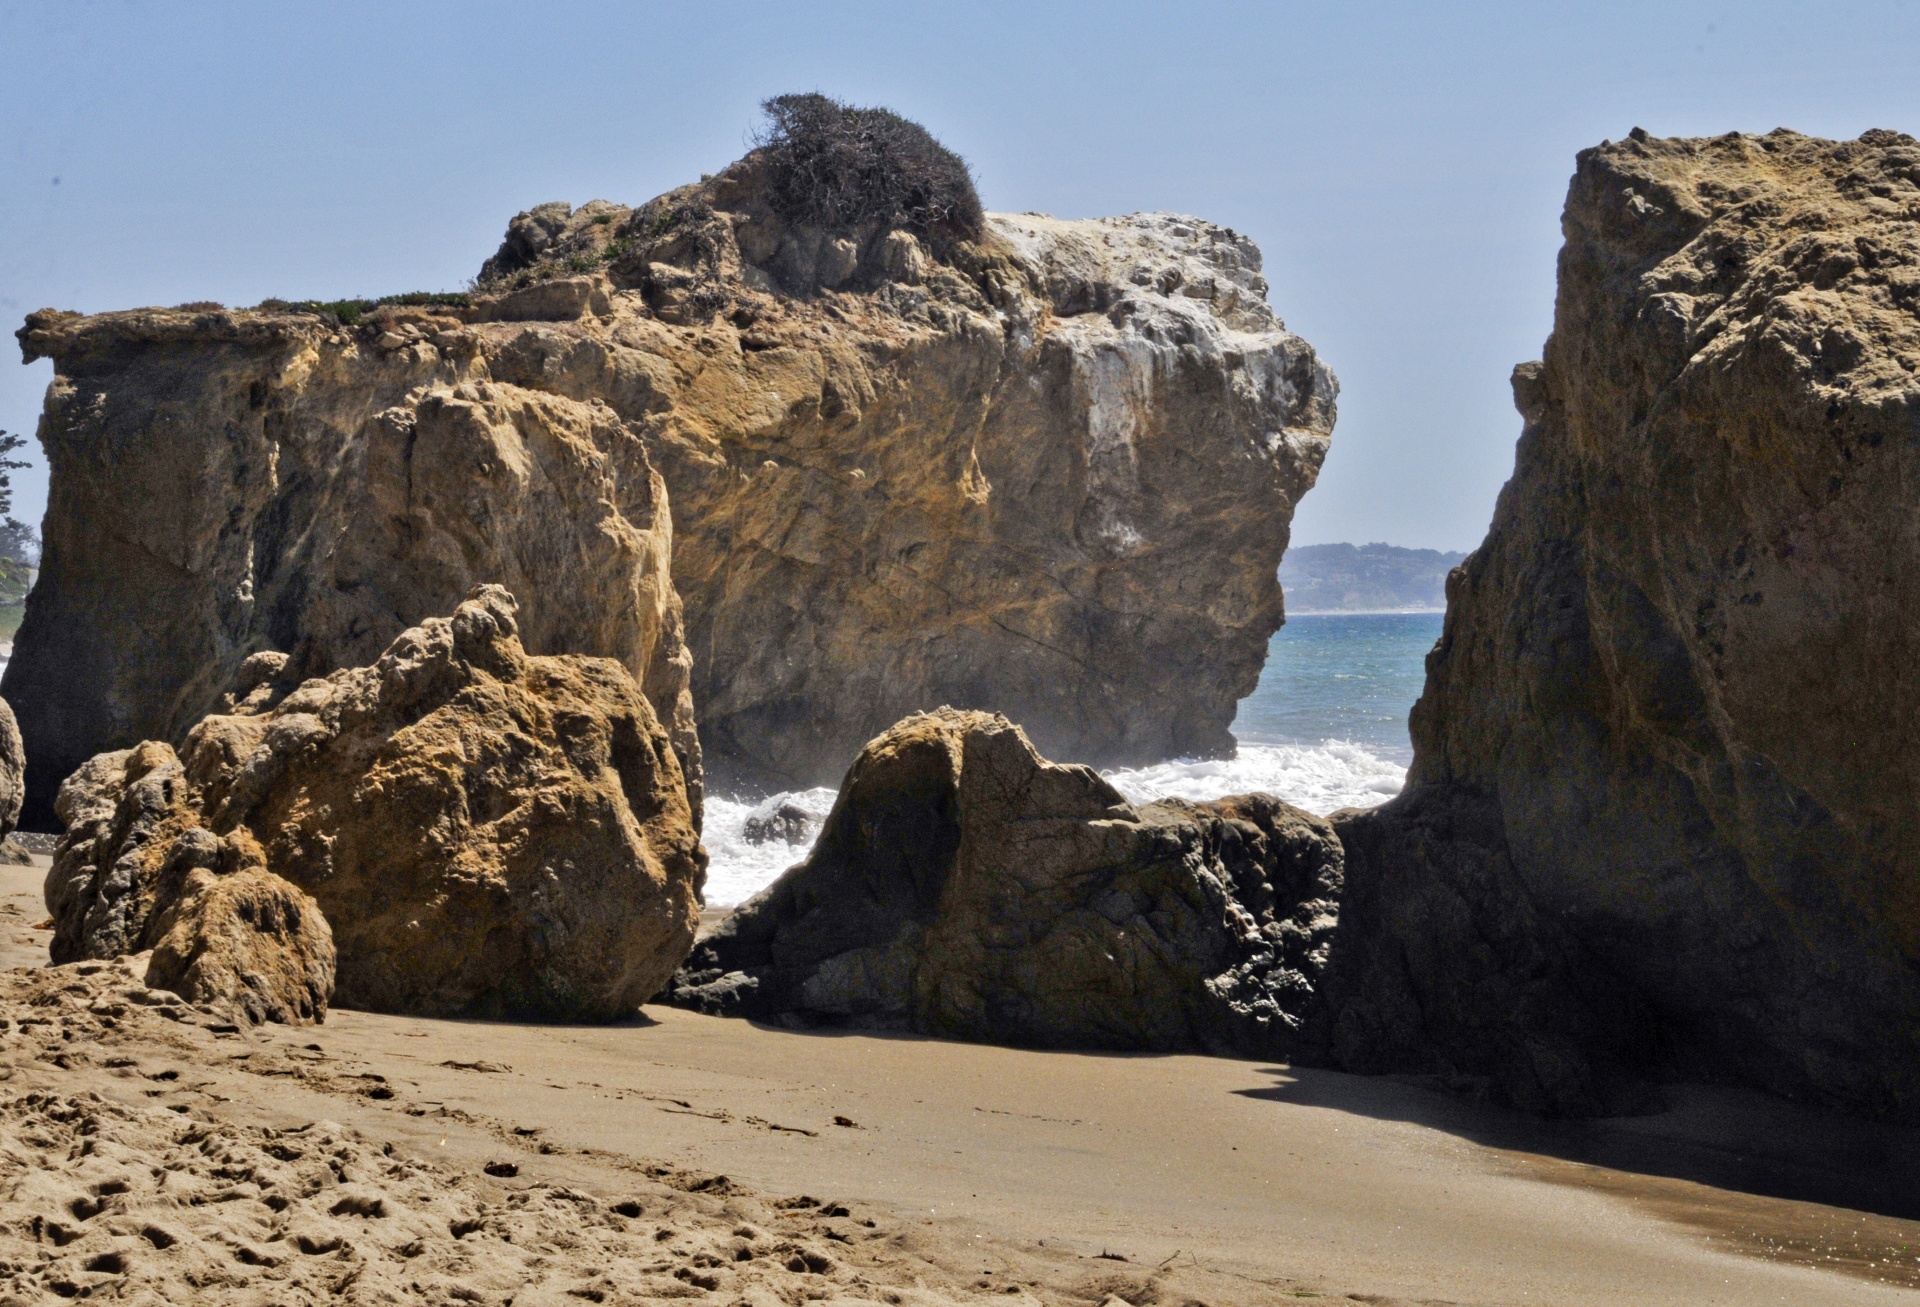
pixel 351 311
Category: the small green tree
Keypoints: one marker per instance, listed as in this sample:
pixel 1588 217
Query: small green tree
pixel 18 541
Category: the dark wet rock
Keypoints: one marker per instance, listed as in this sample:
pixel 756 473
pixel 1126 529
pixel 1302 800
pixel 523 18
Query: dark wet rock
pixel 964 886
pixel 788 822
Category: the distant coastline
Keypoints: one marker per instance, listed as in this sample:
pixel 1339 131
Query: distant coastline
pixel 1322 580
pixel 1363 612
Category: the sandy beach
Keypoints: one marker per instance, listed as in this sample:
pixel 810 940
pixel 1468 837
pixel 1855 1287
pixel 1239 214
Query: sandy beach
pixel 866 1168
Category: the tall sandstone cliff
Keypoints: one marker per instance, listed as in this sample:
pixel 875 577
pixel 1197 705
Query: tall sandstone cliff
pixel 1664 812
pixel 1049 472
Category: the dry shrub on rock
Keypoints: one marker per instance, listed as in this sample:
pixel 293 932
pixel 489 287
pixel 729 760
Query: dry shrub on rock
pixel 835 166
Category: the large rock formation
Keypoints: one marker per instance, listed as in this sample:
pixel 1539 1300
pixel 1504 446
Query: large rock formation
pixel 224 484
pixel 1048 471
pixel 966 887
pixel 1664 812
pixel 486 833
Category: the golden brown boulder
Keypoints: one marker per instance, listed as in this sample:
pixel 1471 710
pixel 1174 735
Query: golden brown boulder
pixel 964 886
pixel 138 870
pixel 247 942
pixel 485 832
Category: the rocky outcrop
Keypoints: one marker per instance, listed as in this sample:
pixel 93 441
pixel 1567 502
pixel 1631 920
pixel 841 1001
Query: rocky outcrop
pixel 226 484
pixel 138 869
pixel 1664 814
pixel 1049 472
pixel 966 887
pixel 486 833
pixel 247 942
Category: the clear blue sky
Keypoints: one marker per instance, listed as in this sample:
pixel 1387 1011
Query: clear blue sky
pixel 1402 165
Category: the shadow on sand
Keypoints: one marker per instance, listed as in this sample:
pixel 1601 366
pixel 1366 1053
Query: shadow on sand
pixel 1756 1175
pixel 1723 1138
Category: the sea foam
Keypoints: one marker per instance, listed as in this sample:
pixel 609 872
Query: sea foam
pixel 737 870
pixel 1336 774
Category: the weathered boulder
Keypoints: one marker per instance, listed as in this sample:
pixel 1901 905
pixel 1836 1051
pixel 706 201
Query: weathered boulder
pixel 1049 471
pixel 247 941
pixel 486 833
pixel 1664 810
pixel 965 887
pixel 138 870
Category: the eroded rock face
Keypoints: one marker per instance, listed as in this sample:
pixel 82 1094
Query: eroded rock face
pixel 485 832
pixel 1049 474
pixel 1664 811
pixel 225 484
pixel 966 887
pixel 1051 478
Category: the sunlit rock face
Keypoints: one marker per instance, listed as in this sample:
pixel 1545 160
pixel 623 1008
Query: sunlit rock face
pixel 455 829
pixel 1664 810
pixel 225 484
pixel 1048 472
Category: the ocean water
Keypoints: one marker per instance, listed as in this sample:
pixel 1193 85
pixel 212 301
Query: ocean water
pixel 1325 729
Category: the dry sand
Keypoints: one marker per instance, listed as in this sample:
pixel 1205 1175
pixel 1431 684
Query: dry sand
pixel 148 1153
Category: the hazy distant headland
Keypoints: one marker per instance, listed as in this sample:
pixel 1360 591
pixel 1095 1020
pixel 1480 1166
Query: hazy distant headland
pixel 1365 578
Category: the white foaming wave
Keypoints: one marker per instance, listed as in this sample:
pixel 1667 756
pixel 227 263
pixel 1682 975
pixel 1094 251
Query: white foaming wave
pixel 1337 774
pixel 737 870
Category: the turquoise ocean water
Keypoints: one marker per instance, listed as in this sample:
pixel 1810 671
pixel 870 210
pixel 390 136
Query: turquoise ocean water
pixel 1341 676
pixel 1325 729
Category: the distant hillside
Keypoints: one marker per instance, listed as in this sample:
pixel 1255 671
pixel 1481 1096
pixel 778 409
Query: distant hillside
pixel 1360 578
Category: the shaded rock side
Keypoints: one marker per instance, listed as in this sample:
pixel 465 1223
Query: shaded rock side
pixel 138 870
pixel 13 780
pixel 225 484
pixel 485 833
pixel 1664 809
pixel 1048 473
pixel 965 887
